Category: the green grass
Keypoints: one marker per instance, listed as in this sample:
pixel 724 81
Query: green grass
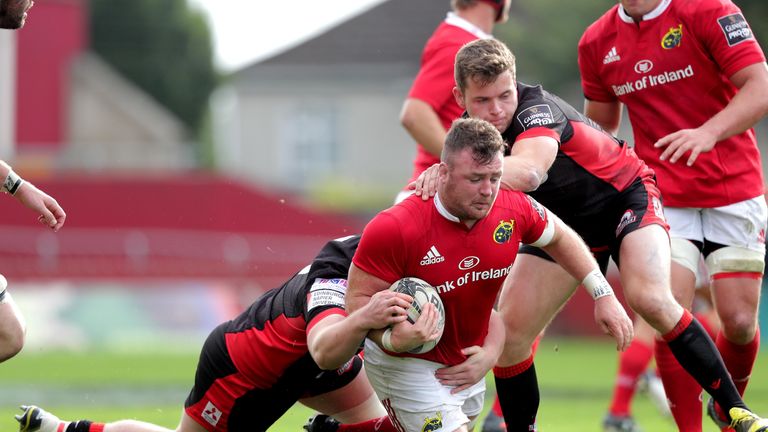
pixel 575 376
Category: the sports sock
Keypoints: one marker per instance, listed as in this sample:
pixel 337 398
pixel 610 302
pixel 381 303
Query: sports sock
pixel 739 359
pixel 381 424
pixel 84 426
pixel 497 407
pixel 518 393
pixel 683 392
pixel 632 363
pixel 705 322
pixel 535 345
pixel 698 354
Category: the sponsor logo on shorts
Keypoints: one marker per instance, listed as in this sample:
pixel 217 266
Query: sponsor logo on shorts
pixel 211 414
pixel 658 210
pixel 627 218
pixel 432 257
pixel 735 28
pixel 672 38
pixel 503 231
pixel 469 262
pixel 537 115
pixel 433 423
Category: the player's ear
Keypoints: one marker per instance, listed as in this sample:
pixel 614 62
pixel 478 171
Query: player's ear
pixel 459 97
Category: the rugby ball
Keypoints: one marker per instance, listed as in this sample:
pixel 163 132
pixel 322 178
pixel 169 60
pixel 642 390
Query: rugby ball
pixel 422 293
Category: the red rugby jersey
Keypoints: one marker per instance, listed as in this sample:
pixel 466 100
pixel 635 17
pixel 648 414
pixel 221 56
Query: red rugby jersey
pixel 671 71
pixel 467 266
pixel 434 83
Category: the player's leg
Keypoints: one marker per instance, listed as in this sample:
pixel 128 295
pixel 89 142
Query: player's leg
pixel 346 405
pixel 734 249
pixel 12 326
pixel 632 363
pixel 35 419
pixel 535 290
pixel 645 261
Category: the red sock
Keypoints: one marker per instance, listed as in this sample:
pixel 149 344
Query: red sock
pixel 535 345
pixel 632 363
pixel 739 360
pixel 497 407
pixel 381 424
pixel 683 392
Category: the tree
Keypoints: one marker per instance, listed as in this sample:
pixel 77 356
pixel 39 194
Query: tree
pixel 163 47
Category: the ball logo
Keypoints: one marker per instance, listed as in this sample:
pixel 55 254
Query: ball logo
pixel 469 262
pixel 643 66
pixel 503 231
pixel 672 38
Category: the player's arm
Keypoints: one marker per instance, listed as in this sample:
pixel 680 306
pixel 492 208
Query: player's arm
pixel 334 339
pixel 746 108
pixel 50 212
pixel 570 252
pixel 606 114
pixel 423 124
pixel 480 359
pixel 525 168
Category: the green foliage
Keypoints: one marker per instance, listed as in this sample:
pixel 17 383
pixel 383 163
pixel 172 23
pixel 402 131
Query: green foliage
pixel 163 47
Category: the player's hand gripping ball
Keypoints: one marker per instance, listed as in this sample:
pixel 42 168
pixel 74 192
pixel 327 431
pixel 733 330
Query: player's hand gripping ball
pixel 422 293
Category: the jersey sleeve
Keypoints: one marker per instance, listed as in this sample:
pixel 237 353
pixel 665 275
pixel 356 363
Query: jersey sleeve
pixel 381 252
pixel 325 297
pixel 539 225
pixel 589 63
pixel 434 83
pixel 726 35
pixel 537 116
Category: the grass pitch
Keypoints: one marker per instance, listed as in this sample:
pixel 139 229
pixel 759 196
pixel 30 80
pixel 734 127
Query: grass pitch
pixel 575 376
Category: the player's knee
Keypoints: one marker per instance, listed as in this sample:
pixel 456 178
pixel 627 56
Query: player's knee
pixel 739 326
pixel 734 260
pixel 656 307
pixel 11 343
pixel 686 254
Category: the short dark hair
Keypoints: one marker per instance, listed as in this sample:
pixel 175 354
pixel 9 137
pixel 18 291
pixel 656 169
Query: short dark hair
pixel 481 137
pixel 482 61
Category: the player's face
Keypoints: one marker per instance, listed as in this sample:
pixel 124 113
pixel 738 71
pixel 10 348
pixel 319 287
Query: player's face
pixel 495 102
pixel 637 8
pixel 13 13
pixel 468 189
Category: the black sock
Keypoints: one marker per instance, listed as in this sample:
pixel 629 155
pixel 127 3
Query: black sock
pixel 695 351
pixel 79 426
pixel 519 399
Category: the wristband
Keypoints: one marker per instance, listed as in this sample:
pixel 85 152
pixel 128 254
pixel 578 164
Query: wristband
pixel 386 340
pixel 596 285
pixel 11 183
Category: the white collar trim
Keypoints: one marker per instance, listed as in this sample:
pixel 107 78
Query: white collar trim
pixel 649 16
pixel 455 20
pixel 443 211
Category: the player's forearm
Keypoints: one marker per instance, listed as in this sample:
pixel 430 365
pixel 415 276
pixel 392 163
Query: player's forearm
pixel 423 125
pixel 519 174
pixel 570 252
pixel 337 343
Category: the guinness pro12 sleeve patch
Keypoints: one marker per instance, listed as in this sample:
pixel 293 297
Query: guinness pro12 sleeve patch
pixel 327 292
pixel 735 28
pixel 537 115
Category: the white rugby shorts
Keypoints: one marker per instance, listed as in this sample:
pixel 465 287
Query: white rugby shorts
pixel 742 224
pixel 415 400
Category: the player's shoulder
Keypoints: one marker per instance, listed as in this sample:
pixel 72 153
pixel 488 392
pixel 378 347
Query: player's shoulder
pixel 694 8
pixel 412 211
pixel 448 36
pixel 604 25
pixel 511 199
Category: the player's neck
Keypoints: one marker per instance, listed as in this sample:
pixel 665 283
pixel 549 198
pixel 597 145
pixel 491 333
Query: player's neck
pixel 483 16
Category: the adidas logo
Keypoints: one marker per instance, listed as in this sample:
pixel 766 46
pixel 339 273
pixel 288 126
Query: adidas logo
pixel 611 56
pixel 432 257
